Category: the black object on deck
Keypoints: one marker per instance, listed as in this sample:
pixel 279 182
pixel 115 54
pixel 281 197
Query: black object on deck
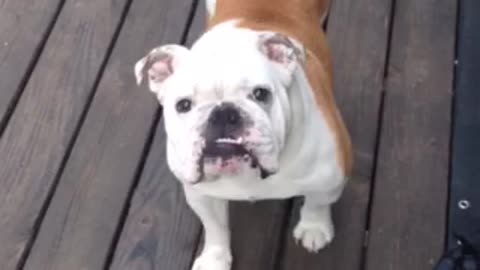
pixel 464 216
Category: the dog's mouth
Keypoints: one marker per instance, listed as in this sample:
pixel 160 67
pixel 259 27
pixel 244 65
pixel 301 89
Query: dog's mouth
pixel 229 156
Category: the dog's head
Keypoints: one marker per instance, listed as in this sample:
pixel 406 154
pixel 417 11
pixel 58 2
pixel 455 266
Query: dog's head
pixel 225 102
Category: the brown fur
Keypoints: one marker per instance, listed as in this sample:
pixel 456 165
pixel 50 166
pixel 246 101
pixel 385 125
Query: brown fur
pixel 299 19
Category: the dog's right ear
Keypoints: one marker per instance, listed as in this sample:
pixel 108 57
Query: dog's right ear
pixel 159 65
pixel 282 50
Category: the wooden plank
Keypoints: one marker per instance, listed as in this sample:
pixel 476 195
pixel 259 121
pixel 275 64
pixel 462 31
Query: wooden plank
pixel 358 32
pixel 40 131
pixel 82 221
pixel 257 233
pixel 160 231
pixel 198 24
pixel 24 27
pixel 465 184
pixel 409 206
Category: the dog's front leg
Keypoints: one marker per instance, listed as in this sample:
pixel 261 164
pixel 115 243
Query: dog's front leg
pixel 213 214
pixel 315 229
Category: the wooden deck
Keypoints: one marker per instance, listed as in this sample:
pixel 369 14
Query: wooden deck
pixel 83 179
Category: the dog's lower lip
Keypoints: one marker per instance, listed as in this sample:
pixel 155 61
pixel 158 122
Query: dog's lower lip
pixel 263 172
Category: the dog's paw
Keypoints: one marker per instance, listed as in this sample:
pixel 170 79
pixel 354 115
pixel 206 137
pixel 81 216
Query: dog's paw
pixel 314 236
pixel 213 259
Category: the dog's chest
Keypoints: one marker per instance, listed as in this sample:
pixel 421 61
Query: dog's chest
pixel 253 189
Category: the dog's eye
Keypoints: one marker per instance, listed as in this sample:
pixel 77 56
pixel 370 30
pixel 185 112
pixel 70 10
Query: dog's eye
pixel 261 94
pixel 184 105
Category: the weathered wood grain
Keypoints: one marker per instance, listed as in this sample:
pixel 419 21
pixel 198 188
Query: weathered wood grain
pixel 198 23
pixel 257 233
pixel 410 199
pixel 37 138
pixel 24 27
pixel 358 31
pixel 87 207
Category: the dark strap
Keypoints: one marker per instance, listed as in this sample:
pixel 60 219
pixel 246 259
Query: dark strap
pixel 464 215
pixel 464 256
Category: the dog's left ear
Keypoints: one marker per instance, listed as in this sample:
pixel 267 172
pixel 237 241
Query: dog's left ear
pixel 282 50
pixel 159 64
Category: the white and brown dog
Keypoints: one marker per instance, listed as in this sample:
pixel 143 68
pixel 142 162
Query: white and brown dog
pixel 250 115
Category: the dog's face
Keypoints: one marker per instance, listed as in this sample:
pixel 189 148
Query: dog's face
pixel 225 104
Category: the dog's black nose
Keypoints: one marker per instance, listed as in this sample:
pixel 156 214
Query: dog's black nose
pixel 226 115
pixel 225 121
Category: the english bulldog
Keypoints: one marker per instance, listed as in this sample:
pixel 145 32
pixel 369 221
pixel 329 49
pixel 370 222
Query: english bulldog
pixel 250 115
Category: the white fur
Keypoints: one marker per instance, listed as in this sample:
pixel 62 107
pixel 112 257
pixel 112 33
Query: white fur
pixel 211 7
pixel 292 138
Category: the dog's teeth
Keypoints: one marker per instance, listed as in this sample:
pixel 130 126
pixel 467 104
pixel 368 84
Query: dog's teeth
pixel 229 140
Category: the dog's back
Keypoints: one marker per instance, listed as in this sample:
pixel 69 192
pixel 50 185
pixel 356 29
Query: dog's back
pixel 316 8
pixel 297 18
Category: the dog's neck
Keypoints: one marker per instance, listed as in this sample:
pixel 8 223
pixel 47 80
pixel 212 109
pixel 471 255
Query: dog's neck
pixel 303 124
